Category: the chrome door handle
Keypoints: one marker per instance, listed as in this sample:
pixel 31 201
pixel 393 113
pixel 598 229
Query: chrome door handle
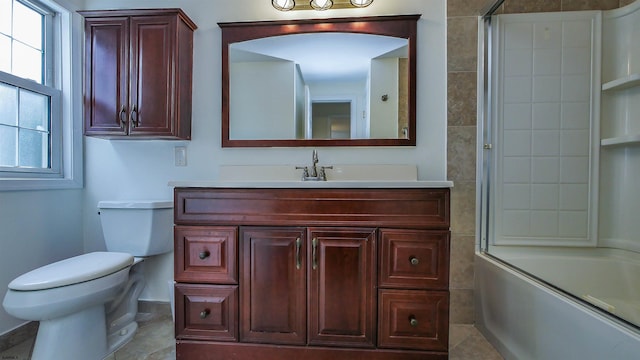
pixel 298 259
pixel 314 253
pixel 123 117
pixel 134 118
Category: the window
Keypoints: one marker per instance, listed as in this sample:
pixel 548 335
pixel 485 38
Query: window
pixel 35 77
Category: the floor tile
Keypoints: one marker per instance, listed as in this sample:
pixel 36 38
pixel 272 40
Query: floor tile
pixel 154 340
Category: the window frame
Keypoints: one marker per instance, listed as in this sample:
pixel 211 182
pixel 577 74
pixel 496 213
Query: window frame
pixel 62 75
pixel 54 96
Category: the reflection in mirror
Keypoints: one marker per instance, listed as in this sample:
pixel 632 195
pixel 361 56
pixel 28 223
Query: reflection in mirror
pixel 363 72
pixel 330 120
pixel 325 82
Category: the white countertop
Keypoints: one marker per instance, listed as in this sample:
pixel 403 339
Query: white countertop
pixel 338 176
pixel 339 184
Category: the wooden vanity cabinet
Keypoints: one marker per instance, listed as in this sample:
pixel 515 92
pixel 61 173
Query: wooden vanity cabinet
pixel 311 273
pixel 138 73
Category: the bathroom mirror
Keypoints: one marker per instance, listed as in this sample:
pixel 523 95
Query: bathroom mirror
pixel 319 82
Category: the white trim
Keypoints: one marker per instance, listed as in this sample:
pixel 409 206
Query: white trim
pixel 68 78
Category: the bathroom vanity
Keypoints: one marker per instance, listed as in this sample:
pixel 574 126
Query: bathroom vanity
pixel 314 271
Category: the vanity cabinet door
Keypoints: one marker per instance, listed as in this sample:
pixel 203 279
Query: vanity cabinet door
pixel 342 286
pixel 272 285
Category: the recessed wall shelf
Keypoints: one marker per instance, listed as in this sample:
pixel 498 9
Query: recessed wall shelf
pixel 622 83
pixel 621 140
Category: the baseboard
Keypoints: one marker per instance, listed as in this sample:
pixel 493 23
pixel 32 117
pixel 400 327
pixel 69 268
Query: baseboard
pixel 18 335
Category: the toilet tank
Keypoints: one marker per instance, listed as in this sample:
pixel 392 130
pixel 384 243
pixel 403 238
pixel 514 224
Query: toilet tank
pixel 140 228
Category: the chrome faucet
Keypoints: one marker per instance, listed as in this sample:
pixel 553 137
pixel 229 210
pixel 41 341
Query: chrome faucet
pixel 313 173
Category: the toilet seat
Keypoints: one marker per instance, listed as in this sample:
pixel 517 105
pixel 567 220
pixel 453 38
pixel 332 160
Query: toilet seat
pixel 71 271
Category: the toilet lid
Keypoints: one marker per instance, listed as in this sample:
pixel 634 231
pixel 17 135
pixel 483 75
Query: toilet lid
pixel 72 271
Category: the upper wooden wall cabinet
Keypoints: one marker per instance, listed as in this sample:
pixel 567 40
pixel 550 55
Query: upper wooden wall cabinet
pixel 138 73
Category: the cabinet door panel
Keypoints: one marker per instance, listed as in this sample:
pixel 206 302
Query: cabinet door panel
pixel 152 89
pixel 342 287
pixel 272 290
pixel 106 78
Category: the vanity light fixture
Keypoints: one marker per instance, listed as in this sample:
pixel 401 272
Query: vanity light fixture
pixel 286 5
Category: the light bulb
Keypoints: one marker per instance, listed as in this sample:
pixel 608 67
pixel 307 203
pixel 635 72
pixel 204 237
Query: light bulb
pixel 361 3
pixel 283 5
pixel 321 4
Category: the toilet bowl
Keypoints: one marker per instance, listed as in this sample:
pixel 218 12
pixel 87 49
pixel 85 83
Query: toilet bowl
pixel 86 305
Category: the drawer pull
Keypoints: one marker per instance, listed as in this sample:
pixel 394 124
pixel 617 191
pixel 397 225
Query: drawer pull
pixel 204 313
pixel 414 261
pixel 134 118
pixel 204 254
pixel 314 253
pixel 298 247
pixel 123 118
pixel 413 321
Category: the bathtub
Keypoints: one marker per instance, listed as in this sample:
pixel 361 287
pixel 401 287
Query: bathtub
pixel 525 318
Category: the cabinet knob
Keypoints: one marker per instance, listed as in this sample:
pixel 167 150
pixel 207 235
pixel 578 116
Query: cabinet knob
pixel 204 313
pixel 413 321
pixel 414 261
pixel 204 254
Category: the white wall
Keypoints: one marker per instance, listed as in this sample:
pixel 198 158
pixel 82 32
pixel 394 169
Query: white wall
pixel 384 113
pixel 38 227
pixel 261 84
pixel 118 170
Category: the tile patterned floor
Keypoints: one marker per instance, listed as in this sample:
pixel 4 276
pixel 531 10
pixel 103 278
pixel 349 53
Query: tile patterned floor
pixel 154 341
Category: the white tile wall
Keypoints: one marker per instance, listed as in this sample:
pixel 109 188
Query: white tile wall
pixel 543 129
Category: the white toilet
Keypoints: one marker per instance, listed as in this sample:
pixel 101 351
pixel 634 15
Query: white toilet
pixel 86 305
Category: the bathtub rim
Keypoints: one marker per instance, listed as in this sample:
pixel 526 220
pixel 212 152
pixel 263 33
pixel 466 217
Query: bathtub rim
pixel 630 328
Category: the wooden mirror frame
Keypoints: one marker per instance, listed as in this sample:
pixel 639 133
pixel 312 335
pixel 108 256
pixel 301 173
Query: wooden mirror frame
pixel 401 26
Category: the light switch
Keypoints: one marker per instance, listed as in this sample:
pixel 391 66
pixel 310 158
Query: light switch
pixel 180 153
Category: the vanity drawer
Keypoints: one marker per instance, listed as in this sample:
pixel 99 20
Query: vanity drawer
pixel 207 312
pixel 358 207
pixel 414 259
pixel 206 254
pixel 413 319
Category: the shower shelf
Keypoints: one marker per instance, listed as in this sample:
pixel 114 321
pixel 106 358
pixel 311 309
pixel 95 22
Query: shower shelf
pixel 621 140
pixel 622 83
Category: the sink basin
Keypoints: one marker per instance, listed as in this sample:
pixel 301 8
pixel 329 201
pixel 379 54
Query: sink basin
pixel 269 173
